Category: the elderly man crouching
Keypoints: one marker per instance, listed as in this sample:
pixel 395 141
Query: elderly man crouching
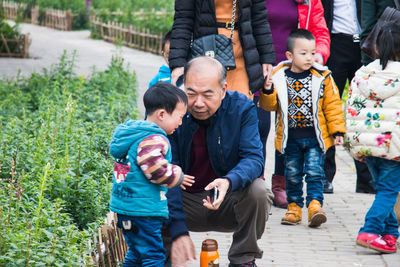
pixel 218 143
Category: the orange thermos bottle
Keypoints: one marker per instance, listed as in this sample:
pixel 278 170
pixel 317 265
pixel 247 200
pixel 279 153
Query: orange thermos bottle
pixel 209 256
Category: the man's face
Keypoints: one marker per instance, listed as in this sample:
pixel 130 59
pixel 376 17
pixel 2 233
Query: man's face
pixel 303 55
pixel 204 92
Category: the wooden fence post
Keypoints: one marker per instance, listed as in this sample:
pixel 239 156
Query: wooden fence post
pixel 68 17
pixel 35 15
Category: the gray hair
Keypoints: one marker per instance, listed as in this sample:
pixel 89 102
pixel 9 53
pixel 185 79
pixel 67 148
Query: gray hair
pixel 206 60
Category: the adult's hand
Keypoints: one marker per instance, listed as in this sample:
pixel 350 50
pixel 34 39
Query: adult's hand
pixel 319 58
pixel 223 186
pixel 182 251
pixel 267 70
pixel 267 73
pixel 175 74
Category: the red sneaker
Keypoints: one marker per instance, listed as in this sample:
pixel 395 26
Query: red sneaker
pixel 374 242
pixel 390 240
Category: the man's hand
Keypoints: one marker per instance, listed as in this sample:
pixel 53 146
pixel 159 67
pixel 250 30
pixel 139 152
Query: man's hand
pixel 223 186
pixel 175 74
pixel 338 140
pixel 182 251
pixel 188 180
pixel 319 58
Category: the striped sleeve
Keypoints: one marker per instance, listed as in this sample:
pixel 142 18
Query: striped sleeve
pixel 151 160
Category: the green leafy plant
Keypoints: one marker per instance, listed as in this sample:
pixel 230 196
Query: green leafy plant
pixel 55 169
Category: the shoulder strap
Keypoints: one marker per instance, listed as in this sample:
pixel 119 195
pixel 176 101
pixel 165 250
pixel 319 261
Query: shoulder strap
pixel 233 18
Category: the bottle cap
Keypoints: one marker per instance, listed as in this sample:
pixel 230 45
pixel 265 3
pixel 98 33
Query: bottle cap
pixel 209 245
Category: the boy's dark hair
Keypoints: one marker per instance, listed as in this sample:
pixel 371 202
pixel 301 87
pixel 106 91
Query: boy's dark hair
pixel 297 34
pixel 388 43
pixel 165 39
pixel 163 95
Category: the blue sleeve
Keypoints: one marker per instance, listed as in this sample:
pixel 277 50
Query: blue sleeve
pixel 176 223
pixel 154 80
pixel 251 163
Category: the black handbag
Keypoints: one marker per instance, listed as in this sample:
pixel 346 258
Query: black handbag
pixel 217 46
pixel 389 14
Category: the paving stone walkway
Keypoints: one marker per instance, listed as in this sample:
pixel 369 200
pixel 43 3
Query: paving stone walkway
pixel 331 245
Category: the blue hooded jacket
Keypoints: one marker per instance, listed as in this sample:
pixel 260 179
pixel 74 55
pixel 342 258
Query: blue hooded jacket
pixel 234 148
pixel 136 195
pixel 164 75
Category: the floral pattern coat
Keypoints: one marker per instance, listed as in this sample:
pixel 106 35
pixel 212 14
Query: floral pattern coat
pixel 373 112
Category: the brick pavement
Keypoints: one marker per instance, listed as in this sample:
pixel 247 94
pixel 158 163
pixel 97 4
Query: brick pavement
pixel 331 245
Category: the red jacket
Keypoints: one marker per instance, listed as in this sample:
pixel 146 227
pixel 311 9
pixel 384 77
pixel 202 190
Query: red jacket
pixel 311 17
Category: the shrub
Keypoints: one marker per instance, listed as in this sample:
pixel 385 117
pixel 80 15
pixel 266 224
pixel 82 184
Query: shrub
pixel 154 22
pixel 55 169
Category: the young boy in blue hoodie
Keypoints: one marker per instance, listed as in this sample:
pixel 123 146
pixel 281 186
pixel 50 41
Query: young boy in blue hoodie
pixel 143 172
pixel 164 73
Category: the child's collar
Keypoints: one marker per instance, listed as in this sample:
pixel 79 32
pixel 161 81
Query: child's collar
pixel 316 69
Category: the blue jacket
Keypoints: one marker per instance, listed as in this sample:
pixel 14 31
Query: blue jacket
pixel 234 148
pixel 164 75
pixel 136 195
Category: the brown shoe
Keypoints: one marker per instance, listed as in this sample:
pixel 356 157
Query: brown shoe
pixel 293 215
pixel 316 216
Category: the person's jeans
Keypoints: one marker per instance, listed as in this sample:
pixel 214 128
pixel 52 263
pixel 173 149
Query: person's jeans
pixel 380 218
pixel 304 157
pixel 144 241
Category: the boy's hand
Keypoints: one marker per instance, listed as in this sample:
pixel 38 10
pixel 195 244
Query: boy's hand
pixel 268 83
pixel 338 140
pixel 188 180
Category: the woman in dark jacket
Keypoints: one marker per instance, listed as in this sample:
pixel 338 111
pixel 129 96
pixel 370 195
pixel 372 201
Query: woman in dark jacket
pixel 253 49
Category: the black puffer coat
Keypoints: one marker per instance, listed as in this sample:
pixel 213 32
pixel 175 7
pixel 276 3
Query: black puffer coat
pixel 197 18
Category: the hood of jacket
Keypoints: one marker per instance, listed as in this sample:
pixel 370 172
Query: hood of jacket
pixel 164 72
pixel 373 82
pixel 129 132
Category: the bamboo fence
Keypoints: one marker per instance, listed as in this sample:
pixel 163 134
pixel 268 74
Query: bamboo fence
pixel 138 14
pixel 58 19
pixel 16 47
pixel 129 36
pixel 12 9
pixel 109 247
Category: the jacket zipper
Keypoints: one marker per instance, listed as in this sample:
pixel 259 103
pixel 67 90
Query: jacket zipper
pixel 317 123
pixel 220 150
